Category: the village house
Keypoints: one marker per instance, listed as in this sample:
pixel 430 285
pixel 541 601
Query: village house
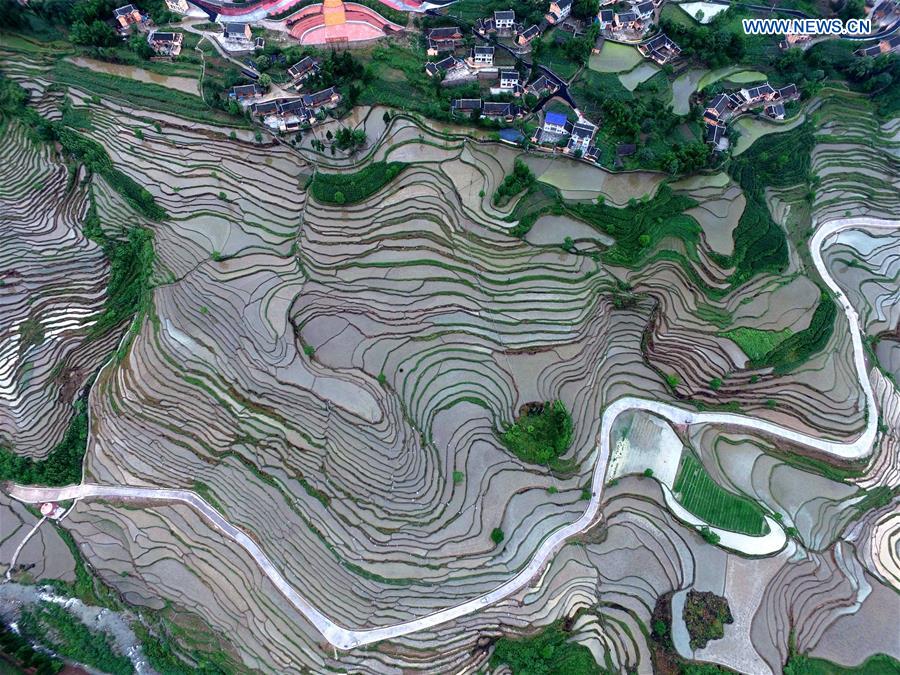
pixel 559 10
pixel 582 134
pixel 505 20
pixel 485 27
pixel 555 124
pixel 449 66
pixel 645 10
pixel 789 91
pixel 759 94
pixel 885 12
pixel 660 48
pixel 526 36
pixel 794 39
pixel 541 87
pixel 605 18
pixel 497 110
pixel 305 67
pixel 465 106
pixel 626 21
pixel 127 16
pixel 177 6
pixel 774 111
pixel 237 31
pixel 165 44
pixel 482 57
pixel 713 133
pixel 885 46
pixel 717 107
pixel 322 100
pixel 245 92
pixel 509 79
pixel 444 39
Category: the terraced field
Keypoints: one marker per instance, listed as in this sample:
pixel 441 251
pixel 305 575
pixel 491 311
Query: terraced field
pixel 307 419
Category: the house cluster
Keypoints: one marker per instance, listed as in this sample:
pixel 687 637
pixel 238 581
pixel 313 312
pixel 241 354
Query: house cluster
pixel 165 43
pixel 884 46
pixel 503 24
pixel 495 110
pixel 628 23
pixel 286 114
pixel 453 69
pixel 660 48
pixel 728 105
pixel 575 137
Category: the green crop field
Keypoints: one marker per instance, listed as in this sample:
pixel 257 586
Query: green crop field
pixel 702 496
pixel 756 343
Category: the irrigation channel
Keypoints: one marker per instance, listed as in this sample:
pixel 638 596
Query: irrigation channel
pixel 348 638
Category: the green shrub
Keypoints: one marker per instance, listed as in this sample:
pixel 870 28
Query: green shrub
pixel 518 181
pixel 546 653
pixel 348 188
pixel 497 535
pixel 458 477
pixel 541 434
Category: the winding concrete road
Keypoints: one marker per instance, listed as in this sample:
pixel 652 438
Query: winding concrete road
pixel 347 638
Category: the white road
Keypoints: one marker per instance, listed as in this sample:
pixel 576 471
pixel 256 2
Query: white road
pixel 348 638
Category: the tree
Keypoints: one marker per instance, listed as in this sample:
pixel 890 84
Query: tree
pixel 497 535
pixel 138 44
pixel 265 81
pixel 585 9
pixel 95 34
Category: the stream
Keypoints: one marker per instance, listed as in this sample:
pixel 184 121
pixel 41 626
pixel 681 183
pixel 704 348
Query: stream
pixel 114 624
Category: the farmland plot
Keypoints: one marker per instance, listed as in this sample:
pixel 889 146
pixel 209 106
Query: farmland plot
pixel 333 376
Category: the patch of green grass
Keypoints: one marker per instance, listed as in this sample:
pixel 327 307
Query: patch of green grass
pixel 696 491
pixel 547 652
pixel 347 188
pixel 756 343
pixel 541 434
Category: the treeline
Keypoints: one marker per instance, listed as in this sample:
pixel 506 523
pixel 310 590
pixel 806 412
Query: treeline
pixel 714 45
pixel 19 650
pixel 776 160
pixel 796 349
pixel 834 60
pixel 347 188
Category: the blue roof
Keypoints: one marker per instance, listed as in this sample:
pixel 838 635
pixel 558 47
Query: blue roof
pixel 555 118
